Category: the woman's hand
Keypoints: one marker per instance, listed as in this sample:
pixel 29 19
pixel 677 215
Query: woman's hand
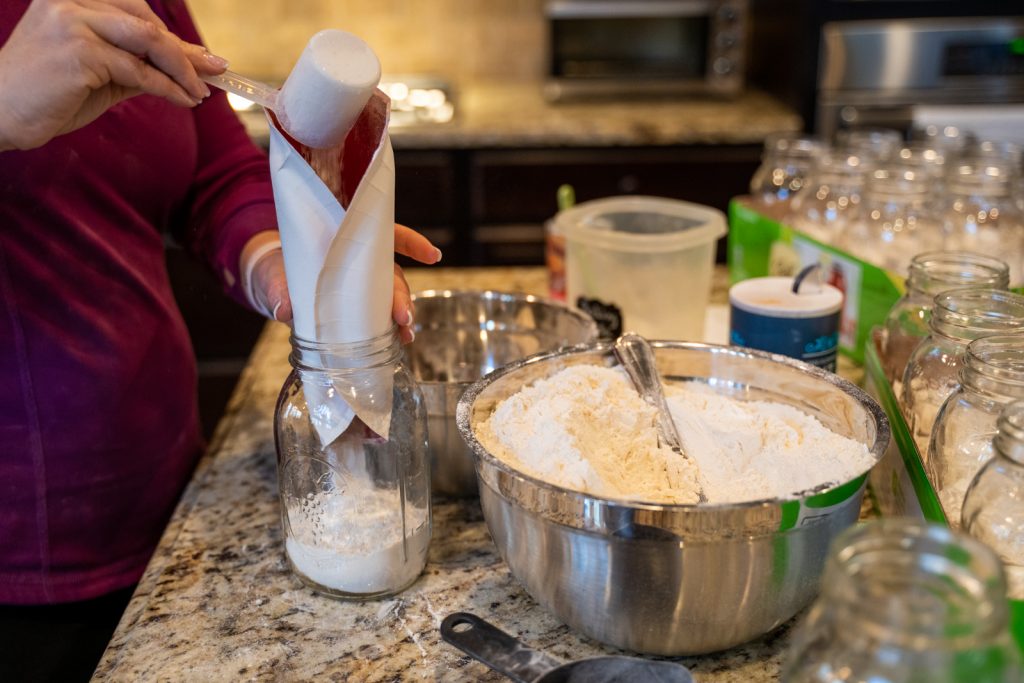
pixel 68 61
pixel 268 292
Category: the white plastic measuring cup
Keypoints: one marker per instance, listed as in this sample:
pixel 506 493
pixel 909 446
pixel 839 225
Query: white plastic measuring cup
pixel 324 93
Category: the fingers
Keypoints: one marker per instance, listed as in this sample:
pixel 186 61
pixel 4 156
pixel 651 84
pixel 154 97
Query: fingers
pixel 410 243
pixel 131 72
pixel 139 37
pixel 402 307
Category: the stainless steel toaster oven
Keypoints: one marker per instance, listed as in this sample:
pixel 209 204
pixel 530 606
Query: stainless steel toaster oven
pixel 645 47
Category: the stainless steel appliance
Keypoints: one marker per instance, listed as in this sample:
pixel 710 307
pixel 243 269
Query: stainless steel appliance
pixel 645 47
pixel 879 63
pixel 891 73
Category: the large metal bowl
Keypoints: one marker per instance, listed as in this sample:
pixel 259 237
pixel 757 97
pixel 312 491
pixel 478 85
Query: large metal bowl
pixel 672 579
pixel 460 337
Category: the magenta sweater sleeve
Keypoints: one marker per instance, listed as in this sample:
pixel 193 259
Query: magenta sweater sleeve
pixel 231 198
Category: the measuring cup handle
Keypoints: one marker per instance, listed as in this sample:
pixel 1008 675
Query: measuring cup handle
pixel 495 648
pixel 261 93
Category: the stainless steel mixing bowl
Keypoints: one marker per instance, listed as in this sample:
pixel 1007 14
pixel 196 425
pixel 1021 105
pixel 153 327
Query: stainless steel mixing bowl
pixel 460 337
pixel 672 579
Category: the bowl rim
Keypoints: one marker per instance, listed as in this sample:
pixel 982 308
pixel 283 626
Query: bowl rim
pixel 464 411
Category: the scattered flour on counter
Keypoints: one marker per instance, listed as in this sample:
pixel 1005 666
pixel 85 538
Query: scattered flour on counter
pixel 352 540
pixel 585 428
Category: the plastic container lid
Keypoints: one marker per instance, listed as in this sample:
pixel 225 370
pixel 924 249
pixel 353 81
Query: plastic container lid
pixel 641 224
pixel 774 297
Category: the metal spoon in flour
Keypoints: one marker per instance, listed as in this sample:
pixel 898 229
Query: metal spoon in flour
pixel 637 358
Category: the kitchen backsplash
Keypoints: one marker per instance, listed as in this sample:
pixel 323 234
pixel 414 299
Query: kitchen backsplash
pixel 460 40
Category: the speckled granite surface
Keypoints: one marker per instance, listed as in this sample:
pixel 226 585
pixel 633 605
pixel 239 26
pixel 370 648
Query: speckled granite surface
pixel 218 602
pixel 516 115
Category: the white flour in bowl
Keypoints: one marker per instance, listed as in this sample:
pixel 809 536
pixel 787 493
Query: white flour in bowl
pixel 585 428
pixel 352 540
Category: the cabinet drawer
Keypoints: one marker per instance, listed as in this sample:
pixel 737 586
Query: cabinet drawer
pixel 425 188
pixel 519 186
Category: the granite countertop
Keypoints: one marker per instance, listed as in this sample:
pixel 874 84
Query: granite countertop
pixel 516 115
pixel 218 602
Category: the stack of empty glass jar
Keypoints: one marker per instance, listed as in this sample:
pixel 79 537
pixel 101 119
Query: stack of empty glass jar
pixel 883 199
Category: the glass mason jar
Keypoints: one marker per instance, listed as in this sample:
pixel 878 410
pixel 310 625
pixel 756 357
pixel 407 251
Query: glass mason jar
pixel 931 273
pixel 958 318
pixel 994 508
pixel 785 163
pixel 991 376
pixel 895 220
pixel 831 194
pixel 355 499
pixel 980 212
pixel 871 144
pixel 906 602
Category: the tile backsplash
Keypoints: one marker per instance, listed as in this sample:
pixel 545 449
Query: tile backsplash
pixel 460 40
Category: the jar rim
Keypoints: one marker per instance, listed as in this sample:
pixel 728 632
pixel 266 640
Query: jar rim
pixel 938 562
pixel 315 355
pixel 944 270
pixel 994 365
pixel 966 314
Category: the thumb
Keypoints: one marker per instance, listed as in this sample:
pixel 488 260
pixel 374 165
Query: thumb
pixel 270 287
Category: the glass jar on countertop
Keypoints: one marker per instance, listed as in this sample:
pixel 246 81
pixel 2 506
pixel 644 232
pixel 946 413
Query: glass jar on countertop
pixel 980 212
pixel 958 318
pixel 991 377
pixel 353 468
pixel 931 273
pixel 994 507
pixel 831 194
pixel 895 220
pixel 785 163
pixel 903 601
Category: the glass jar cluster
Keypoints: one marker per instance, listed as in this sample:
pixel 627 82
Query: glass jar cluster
pixel 885 200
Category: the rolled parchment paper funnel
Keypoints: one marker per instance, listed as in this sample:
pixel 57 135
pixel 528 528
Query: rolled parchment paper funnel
pixel 338 246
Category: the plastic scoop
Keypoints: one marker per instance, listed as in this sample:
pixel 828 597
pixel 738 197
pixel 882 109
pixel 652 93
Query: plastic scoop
pixel 324 93
pixel 637 359
pixel 508 656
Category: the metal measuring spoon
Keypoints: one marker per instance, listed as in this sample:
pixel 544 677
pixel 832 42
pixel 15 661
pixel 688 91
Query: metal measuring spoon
pixel 506 655
pixel 637 358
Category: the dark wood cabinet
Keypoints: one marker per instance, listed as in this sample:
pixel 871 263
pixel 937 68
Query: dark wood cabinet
pixel 498 200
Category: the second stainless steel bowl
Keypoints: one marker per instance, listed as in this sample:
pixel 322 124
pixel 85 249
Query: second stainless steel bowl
pixel 460 337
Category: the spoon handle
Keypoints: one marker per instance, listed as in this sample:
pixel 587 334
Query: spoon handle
pixel 256 91
pixel 495 648
pixel 637 358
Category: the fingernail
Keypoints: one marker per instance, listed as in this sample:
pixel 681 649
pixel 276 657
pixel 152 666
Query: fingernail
pixel 437 254
pixel 206 91
pixel 273 313
pixel 412 335
pixel 216 61
pixel 407 318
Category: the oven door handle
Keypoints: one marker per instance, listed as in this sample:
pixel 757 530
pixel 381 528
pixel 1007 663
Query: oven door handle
pixel 639 9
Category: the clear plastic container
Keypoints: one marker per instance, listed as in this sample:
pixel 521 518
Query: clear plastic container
pixel 355 511
pixel 895 220
pixel 980 212
pixel 906 602
pixel 958 318
pixel 785 163
pixel 642 264
pixel 994 508
pixel 931 273
pixel 831 195
pixel 991 376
